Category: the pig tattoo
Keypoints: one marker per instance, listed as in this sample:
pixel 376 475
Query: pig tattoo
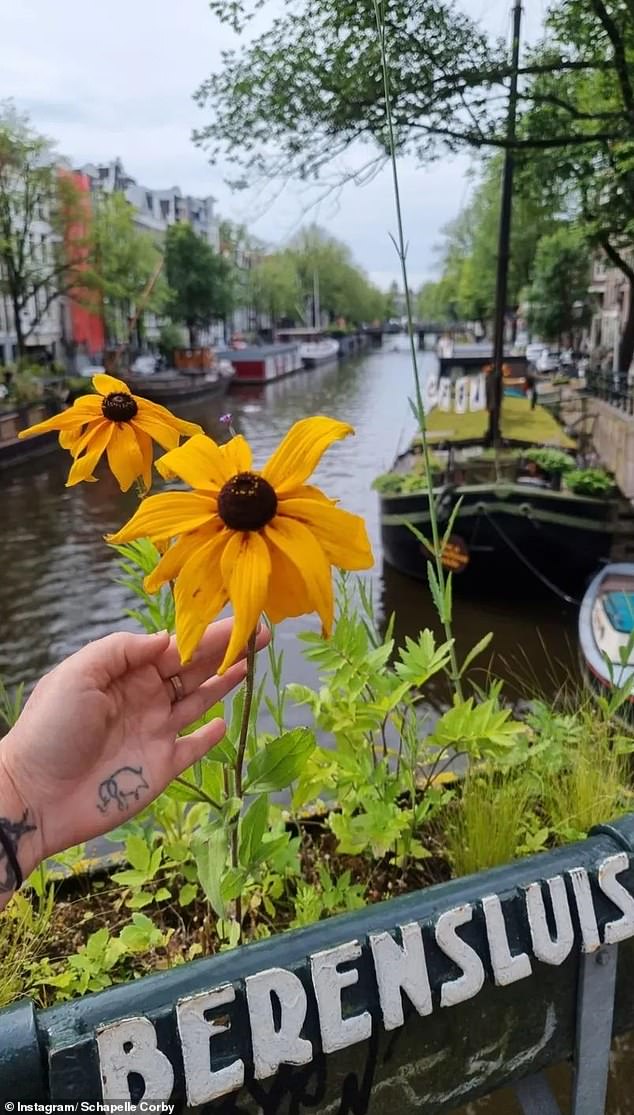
pixel 124 783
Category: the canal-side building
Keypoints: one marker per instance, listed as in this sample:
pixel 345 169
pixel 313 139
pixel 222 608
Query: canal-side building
pixel 611 293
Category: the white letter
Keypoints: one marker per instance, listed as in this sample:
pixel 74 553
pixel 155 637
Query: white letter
pixel 337 1032
pixel 444 394
pixel 585 909
pixel 196 1033
pixel 470 982
pixel 130 1046
pixel 401 966
pixel 545 948
pixel 623 927
pixel 273 1047
pixel 506 967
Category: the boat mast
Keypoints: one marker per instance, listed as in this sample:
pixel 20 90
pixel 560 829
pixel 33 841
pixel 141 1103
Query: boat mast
pixel 504 239
pixel 316 306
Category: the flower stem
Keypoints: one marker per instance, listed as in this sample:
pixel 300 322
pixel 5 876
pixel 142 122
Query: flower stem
pixel 401 250
pixel 242 746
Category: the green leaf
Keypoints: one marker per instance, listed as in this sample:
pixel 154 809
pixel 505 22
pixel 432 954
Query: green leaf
pixel 252 827
pixel 210 852
pixel 187 894
pixel 280 762
pixel 475 651
pixel 137 850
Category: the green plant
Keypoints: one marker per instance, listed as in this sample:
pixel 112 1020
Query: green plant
pixel 486 820
pixel 593 482
pixel 170 337
pixel 550 460
pixel 314 901
pixel 25 927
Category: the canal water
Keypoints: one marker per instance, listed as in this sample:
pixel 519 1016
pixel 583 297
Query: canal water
pixel 58 585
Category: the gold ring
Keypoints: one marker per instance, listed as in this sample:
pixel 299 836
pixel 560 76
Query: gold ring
pixel 176 683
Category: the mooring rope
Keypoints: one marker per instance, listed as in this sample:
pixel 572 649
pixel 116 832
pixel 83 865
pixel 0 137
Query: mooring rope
pixel 529 565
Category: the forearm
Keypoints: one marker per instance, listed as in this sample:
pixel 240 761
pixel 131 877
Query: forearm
pixel 20 836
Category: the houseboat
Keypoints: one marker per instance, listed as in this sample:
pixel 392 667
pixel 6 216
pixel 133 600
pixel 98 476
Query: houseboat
pixel 517 517
pixel 173 386
pixel 259 364
pixel 314 346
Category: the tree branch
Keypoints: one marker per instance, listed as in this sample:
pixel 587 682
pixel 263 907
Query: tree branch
pixel 616 257
pixel 618 47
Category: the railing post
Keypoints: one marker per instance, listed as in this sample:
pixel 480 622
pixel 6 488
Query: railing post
pixel 22 1066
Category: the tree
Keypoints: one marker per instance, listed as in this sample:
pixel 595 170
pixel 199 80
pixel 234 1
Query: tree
pixel 43 250
pixel 126 265
pixel 200 280
pixel 275 286
pixel 344 290
pixel 558 294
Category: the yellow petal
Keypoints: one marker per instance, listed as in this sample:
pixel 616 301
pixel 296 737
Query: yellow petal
pixel 147 453
pixel 166 516
pixel 302 548
pixel 343 536
pixel 306 491
pixel 165 436
pixel 162 414
pixel 301 450
pixel 81 412
pixel 124 455
pixel 84 466
pixel 237 453
pixel 199 594
pixel 246 569
pixel 199 462
pixel 108 385
pixel 287 595
pixel 74 440
pixel 177 554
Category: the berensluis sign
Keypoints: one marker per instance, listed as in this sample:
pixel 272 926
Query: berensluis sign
pixel 420 1003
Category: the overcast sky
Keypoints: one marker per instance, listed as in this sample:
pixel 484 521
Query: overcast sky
pixel 117 78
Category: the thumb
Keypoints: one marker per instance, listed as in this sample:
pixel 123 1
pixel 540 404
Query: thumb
pixel 189 749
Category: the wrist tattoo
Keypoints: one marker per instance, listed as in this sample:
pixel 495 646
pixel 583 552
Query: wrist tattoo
pixel 11 832
pixel 124 783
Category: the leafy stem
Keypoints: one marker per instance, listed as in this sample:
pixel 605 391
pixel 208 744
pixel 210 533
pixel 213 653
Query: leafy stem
pixel 239 763
pixel 401 250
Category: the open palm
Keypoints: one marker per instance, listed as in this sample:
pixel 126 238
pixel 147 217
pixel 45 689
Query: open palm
pixel 99 737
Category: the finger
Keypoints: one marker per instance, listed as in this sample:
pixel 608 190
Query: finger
pixel 191 708
pixel 113 656
pixel 190 749
pixel 208 656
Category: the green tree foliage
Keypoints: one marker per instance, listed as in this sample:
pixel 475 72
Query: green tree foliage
pixel 126 266
pixel 276 288
pixel 468 253
pixel 201 281
pixel 43 242
pixel 558 294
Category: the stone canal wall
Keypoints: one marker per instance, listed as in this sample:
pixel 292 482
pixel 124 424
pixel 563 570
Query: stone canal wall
pixel 613 439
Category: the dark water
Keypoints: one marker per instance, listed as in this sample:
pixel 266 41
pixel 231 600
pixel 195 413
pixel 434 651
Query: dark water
pixel 57 582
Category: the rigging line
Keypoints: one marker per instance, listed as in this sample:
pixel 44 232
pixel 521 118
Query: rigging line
pixel 529 565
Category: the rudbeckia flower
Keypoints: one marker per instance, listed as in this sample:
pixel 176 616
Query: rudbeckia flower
pixel 118 423
pixel 265 541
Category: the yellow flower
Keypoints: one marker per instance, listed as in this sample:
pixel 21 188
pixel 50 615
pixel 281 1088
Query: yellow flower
pixel 116 422
pixel 265 540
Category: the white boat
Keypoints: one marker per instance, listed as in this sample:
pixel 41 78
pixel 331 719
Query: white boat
pixel 606 629
pixel 314 347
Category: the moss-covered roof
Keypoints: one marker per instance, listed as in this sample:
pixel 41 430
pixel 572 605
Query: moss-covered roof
pixel 519 423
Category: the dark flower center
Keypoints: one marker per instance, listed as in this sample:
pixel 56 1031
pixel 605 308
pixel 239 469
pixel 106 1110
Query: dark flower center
pixel 119 407
pixel 247 502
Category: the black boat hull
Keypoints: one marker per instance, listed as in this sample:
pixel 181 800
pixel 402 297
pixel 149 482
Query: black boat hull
pixel 511 532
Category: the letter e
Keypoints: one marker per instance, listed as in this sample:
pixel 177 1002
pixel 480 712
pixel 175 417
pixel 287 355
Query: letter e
pixel 196 1034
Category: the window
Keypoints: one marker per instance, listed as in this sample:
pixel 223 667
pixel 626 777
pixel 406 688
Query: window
pixel 149 201
pixel 165 210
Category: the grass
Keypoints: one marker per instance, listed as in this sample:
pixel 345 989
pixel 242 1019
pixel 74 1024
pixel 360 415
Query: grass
pixel 485 829
pixel 519 423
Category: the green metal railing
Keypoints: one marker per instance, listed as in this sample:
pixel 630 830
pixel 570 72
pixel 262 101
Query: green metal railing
pixel 418 1004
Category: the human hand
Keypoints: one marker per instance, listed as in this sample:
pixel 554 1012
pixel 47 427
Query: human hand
pixel 98 738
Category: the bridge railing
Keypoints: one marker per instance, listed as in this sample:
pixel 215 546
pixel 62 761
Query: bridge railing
pixel 416 1005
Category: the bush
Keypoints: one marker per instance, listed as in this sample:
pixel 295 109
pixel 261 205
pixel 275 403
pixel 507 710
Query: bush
pixel 554 461
pixel 594 482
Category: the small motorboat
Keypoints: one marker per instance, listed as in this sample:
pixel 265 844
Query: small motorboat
pixel 606 631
